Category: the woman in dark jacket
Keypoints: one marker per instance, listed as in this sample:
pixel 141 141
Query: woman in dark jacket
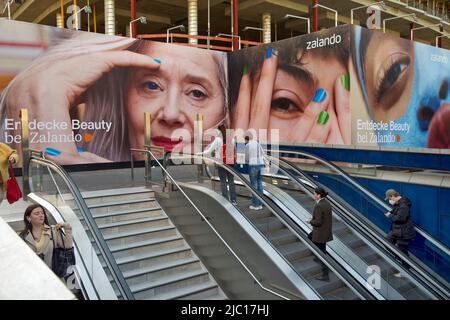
pixel 322 224
pixel 402 228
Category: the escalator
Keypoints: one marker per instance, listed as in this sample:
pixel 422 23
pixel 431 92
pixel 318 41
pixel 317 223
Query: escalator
pixel 356 232
pixel 279 231
pixel 361 255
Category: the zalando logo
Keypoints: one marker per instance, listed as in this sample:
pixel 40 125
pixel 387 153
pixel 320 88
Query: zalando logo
pixel 329 41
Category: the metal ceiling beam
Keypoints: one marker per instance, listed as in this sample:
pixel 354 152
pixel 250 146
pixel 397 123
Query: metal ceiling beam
pixel 149 16
pixel 50 10
pixel 245 5
pixel 20 10
pixel 402 10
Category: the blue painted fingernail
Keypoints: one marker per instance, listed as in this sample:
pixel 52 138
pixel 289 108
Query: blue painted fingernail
pixel 52 152
pixel 79 149
pixel 269 53
pixel 320 95
pixel 157 61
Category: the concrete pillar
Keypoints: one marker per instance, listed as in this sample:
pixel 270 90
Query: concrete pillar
pixel 193 20
pixel 315 16
pixel 59 20
pixel 266 25
pixel 127 30
pixel 110 17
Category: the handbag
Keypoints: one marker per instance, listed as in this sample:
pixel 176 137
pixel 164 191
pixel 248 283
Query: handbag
pixel 62 258
pixel 13 192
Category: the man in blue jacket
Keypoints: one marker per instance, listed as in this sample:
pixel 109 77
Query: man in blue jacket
pixel 402 228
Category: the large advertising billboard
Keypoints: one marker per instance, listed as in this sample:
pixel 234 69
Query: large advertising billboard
pixel 86 93
pixel 399 95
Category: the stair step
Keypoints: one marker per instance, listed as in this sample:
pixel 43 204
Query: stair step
pixel 111 192
pixel 133 249
pixel 137 233
pixel 343 293
pixel 295 250
pixel 146 290
pixel 138 244
pixel 325 287
pixel 268 224
pixel 133 225
pixel 124 212
pixel 307 267
pixel 282 236
pixel 163 266
pixel 118 203
pixel 150 255
pixel 188 292
pixel 165 232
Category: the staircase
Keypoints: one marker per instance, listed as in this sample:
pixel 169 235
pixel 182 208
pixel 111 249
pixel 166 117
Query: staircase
pixel 156 262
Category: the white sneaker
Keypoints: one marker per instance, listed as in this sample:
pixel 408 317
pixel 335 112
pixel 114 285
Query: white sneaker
pixel 259 208
pixel 252 208
pixel 234 203
pixel 398 275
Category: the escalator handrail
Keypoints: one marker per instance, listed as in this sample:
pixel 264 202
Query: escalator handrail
pixel 386 244
pixel 425 234
pixel 318 253
pixel 205 219
pixel 92 225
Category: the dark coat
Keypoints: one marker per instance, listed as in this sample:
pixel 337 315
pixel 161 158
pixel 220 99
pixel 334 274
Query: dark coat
pixel 322 222
pixel 402 226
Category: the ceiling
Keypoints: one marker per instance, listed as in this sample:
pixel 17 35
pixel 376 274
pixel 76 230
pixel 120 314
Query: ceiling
pixel 165 14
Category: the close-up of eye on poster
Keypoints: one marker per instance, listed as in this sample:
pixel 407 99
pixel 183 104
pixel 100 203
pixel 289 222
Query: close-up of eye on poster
pixel 400 92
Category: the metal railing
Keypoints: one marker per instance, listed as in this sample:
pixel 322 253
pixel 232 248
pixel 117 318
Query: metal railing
pixel 369 194
pixel 205 219
pixel 95 231
pixel 352 283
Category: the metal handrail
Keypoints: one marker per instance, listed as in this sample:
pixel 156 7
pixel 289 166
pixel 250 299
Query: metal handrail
pixel 273 211
pixel 435 242
pixel 386 244
pixel 167 174
pixel 103 247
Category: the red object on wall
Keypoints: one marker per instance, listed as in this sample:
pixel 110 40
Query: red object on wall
pixel 235 25
pixel 133 16
pixel 315 16
pixel 439 132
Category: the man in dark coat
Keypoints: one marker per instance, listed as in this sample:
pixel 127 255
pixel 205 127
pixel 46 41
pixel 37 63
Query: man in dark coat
pixel 402 228
pixel 322 226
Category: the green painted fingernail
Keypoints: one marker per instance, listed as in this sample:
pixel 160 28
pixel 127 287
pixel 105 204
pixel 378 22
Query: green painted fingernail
pixel 245 70
pixel 323 117
pixel 345 80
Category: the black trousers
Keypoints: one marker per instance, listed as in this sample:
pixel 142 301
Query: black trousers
pixel 227 179
pixel 323 248
pixel 402 245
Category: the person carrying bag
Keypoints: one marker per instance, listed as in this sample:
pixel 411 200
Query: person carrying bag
pixel 8 157
pixel 63 257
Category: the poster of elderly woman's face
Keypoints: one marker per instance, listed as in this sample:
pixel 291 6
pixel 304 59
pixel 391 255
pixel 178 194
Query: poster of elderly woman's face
pixel 87 93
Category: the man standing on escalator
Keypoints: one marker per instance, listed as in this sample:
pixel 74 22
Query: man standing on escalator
pixel 402 228
pixel 322 224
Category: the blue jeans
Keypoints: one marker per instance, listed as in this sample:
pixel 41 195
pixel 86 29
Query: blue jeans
pixel 256 182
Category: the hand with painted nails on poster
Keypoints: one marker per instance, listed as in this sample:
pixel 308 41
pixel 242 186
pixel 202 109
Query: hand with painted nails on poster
pixel 254 100
pixel 107 84
pixel 291 98
pixel 51 88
